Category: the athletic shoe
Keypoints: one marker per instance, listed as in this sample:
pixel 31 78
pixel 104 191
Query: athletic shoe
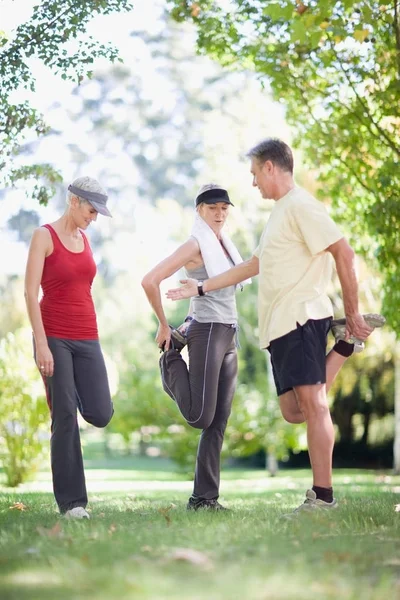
pixel 338 327
pixel 178 340
pixel 195 504
pixel 312 503
pixel 77 513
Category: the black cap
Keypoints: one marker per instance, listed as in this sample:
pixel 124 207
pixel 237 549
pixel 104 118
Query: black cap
pixel 211 193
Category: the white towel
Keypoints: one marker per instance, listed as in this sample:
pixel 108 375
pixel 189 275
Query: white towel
pixel 215 259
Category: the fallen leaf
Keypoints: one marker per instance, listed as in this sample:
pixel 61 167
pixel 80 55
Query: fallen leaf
pixel 164 513
pixel 392 562
pixel 32 551
pixel 53 532
pixel 18 506
pixel 193 557
pixel 337 557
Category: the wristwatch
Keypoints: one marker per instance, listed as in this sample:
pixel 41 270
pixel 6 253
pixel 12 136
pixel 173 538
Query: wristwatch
pixel 200 290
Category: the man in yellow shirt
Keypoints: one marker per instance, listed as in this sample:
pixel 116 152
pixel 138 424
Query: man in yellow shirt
pixel 294 259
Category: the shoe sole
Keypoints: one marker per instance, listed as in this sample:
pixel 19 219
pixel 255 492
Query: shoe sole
pixel 179 341
pixel 178 336
pixel 373 320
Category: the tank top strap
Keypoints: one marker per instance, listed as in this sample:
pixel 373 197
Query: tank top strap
pixel 55 239
pixel 86 241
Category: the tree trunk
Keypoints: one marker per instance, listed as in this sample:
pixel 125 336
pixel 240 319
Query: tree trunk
pixel 367 421
pixel 396 447
pixel 271 464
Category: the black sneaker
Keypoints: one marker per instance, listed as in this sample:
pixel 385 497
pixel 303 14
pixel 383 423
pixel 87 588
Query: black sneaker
pixel 178 341
pixel 196 503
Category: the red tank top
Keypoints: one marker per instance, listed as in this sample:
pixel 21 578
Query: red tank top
pixel 67 305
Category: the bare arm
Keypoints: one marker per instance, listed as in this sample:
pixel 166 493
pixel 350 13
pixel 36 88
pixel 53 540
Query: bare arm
pixel 38 249
pixel 344 258
pixel 246 269
pixel 151 284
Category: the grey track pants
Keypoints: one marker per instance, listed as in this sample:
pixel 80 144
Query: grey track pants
pixel 79 382
pixel 204 394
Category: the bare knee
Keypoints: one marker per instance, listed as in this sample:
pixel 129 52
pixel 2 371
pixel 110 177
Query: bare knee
pixel 317 409
pixel 290 408
pixel 312 401
pixel 293 417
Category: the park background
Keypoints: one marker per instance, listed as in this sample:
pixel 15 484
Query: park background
pixel 192 86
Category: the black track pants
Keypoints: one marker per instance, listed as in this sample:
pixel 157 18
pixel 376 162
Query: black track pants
pixel 204 394
pixel 79 382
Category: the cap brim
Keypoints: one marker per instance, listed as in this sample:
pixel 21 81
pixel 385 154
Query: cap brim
pixel 101 209
pixel 217 200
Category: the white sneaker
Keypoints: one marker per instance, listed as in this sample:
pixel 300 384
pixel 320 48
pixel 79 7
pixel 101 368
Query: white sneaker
pixel 313 503
pixel 77 513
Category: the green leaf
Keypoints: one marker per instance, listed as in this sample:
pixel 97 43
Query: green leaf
pixel 276 11
pixel 299 32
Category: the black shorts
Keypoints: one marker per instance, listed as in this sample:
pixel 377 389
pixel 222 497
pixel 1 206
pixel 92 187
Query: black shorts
pixel 299 357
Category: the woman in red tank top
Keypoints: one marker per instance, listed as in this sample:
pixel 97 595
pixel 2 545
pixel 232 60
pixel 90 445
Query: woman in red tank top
pixel 66 342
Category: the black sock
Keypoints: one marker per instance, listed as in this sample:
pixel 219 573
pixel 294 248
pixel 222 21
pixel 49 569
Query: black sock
pixel 325 494
pixel 343 348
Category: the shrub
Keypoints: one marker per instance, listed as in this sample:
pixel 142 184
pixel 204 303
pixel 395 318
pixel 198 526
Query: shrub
pixel 24 414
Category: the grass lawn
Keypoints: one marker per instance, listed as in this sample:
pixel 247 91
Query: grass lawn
pixel 141 543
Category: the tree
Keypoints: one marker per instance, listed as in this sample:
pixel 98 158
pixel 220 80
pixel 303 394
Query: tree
pixel 55 34
pixel 336 66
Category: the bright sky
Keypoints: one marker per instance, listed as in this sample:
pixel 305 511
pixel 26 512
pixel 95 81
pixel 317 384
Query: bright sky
pixel 51 90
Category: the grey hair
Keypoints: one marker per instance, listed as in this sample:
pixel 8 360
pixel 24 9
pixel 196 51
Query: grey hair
pixel 276 151
pixel 85 183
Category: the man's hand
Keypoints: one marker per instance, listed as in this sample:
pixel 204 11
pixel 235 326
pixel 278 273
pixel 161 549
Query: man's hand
pixel 188 289
pixel 357 327
pixel 163 337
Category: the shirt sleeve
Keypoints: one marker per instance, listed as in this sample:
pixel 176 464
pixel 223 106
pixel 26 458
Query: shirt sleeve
pixel 315 225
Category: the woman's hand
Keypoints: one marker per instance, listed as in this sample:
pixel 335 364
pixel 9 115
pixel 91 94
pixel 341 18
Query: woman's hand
pixel 188 289
pixel 44 360
pixel 163 337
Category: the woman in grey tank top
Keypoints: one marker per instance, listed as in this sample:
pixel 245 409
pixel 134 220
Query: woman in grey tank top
pixel 204 391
